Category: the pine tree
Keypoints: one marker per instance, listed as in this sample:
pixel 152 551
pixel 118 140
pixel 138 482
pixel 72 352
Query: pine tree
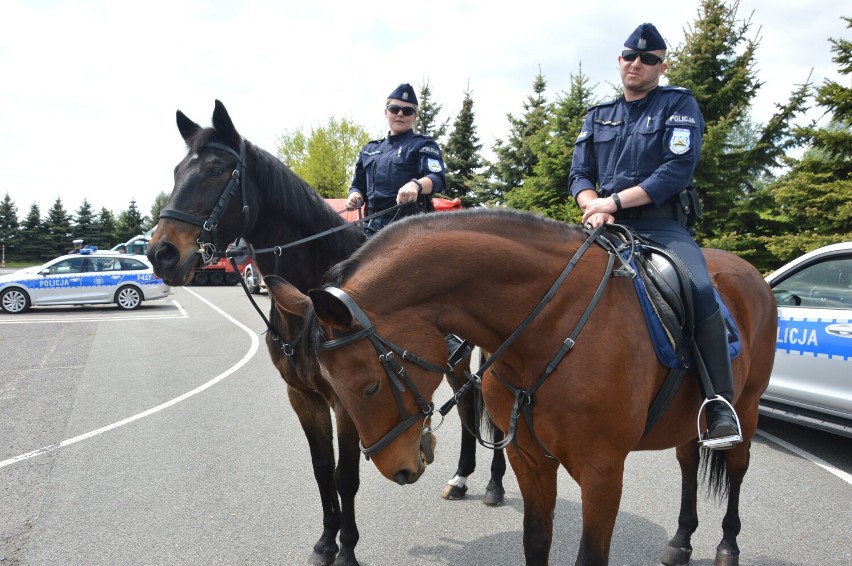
pixel 34 238
pixel 515 157
pixel 427 116
pixel 717 63
pixel 815 197
pixel 84 223
pixel 546 189
pixel 461 154
pixel 130 222
pixel 58 230
pixel 9 227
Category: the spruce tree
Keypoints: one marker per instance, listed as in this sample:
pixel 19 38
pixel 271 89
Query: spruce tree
pixel 160 202
pixel 84 224
pixel 427 116
pixel 58 230
pixel 130 222
pixel 34 239
pixel 9 227
pixel 515 156
pixel 461 154
pixel 105 229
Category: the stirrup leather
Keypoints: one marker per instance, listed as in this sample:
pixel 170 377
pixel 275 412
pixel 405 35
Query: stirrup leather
pixel 718 443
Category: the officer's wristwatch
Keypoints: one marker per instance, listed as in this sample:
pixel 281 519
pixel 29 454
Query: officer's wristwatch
pixel 419 186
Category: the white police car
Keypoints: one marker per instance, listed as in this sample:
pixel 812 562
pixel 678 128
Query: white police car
pixel 811 380
pixel 89 277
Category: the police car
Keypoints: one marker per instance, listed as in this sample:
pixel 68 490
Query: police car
pixel 811 381
pixel 89 277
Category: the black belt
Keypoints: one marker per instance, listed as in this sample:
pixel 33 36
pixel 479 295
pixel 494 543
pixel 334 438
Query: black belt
pixel 668 211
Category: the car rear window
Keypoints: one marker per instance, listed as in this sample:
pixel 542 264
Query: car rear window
pixel 132 265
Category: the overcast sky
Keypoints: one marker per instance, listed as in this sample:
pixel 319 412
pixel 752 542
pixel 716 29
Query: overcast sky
pixel 89 89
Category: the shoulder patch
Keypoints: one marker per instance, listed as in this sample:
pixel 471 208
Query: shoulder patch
pixel 681 141
pixel 434 165
pixel 432 149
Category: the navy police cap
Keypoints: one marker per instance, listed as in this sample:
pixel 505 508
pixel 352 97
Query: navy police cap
pixel 645 38
pixel 404 92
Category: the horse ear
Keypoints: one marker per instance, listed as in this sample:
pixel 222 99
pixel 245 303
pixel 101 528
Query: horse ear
pixel 224 126
pixel 331 310
pixel 187 127
pixel 286 296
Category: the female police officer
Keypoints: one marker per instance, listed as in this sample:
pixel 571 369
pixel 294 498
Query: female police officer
pixel 640 152
pixel 404 167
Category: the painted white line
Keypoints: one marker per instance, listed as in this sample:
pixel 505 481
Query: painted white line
pixel 182 314
pixel 255 342
pixel 807 456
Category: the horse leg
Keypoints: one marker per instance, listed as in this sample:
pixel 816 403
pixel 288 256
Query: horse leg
pixel 457 487
pixel 735 462
pixel 679 548
pixel 315 417
pixel 348 481
pixel 537 481
pixel 495 494
pixel 600 490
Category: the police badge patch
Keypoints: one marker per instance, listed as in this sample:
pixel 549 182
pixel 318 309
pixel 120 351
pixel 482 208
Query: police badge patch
pixel 680 141
pixel 434 165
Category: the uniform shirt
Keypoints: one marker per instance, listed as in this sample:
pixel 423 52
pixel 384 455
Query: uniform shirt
pixel 386 165
pixel 654 142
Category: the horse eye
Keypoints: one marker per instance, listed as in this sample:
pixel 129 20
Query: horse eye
pixel 216 172
pixel 371 390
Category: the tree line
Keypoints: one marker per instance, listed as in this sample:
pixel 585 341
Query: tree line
pixel 760 201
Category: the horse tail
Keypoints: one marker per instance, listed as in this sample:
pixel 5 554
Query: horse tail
pixel 714 474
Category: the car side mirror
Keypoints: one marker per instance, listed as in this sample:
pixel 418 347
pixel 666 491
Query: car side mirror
pixel 45 271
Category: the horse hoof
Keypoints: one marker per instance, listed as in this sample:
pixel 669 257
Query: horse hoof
pixel 453 492
pixel 494 496
pixel 676 556
pixel 726 557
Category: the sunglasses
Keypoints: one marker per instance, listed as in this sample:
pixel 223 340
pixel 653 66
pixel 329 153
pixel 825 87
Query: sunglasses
pixel 644 56
pixel 406 110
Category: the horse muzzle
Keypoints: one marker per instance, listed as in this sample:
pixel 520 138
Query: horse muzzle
pixel 166 259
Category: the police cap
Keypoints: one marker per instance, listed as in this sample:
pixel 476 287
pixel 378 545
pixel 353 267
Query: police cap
pixel 645 38
pixel 404 92
pixel 77 241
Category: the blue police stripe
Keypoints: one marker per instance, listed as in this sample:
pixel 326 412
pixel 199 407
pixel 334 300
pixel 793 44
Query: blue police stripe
pixel 811 337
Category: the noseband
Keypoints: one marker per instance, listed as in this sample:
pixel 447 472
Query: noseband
pixel 395 372
pixel 211 249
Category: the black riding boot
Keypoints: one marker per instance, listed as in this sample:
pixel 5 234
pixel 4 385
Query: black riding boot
pixel 711 338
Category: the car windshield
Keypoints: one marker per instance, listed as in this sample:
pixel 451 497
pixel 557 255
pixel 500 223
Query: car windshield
pixel 827 284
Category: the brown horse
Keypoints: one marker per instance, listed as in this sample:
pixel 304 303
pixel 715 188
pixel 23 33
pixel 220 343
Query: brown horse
pixel 479 274
pixel 225 188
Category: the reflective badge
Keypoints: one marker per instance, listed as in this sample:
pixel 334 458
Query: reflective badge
pixel 434 165
pixel 680 141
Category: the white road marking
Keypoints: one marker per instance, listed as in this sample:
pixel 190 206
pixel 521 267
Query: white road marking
pixel 807 456
pixel 68 320
pixel 255 342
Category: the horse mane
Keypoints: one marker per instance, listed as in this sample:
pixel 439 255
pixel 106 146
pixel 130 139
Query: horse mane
pixel 504 222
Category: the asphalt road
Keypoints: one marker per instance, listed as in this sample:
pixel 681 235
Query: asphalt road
pixel 164 436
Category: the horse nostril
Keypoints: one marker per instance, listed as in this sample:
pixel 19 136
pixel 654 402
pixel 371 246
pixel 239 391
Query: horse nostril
pixel 163 255
pixel 402 477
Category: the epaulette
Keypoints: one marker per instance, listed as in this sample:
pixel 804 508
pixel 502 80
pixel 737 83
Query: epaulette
pixel 602 104
pixel 676 89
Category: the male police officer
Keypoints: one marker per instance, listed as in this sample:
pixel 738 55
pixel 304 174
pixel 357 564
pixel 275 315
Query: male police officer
pixel 640 151
pixel 405 167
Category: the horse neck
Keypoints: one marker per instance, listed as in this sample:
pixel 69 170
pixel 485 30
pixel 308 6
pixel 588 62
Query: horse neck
pixel 290 210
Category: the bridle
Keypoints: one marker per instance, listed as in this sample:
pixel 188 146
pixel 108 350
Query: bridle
pixel 396 374
pixel 209 247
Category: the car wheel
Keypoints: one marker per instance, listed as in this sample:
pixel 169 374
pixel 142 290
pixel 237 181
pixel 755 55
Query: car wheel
pixel 217 278
pixel 128 298
pixel 201 278
pixel 232 279
pixel 14 301
pixel 251 281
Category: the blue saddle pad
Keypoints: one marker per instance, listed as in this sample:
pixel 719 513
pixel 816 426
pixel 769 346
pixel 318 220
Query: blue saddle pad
pixel 660 339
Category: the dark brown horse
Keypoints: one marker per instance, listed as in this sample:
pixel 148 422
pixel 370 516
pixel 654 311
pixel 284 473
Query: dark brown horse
pixel 226 187
pixel 479 274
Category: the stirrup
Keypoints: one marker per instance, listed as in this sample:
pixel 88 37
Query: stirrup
pixel 718 443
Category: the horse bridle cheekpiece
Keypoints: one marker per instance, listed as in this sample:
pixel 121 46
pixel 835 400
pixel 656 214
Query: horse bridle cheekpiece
pixel 396 374
pixel 210 250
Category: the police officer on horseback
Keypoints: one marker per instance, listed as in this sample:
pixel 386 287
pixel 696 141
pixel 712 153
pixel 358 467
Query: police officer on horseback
pixel 401 171
pixel 633 164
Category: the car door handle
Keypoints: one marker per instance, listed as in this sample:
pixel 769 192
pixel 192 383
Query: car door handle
pixel 844 330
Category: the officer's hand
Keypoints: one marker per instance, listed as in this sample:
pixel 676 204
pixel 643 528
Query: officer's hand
pixel 598 211
pixel 407 193
pixel 354 201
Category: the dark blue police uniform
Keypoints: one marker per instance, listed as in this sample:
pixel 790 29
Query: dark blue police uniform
pixel 386 165
pixel 655 143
